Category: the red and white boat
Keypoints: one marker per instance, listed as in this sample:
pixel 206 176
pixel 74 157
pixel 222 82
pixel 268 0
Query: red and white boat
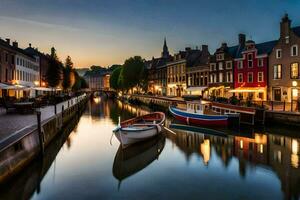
pixel 198 113
pixel 139 128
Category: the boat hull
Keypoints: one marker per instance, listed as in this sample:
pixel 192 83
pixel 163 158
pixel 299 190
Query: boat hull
pixel 127 136
pixel 198 119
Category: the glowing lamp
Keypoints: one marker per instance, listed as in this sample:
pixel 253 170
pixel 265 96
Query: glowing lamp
pixel 294 83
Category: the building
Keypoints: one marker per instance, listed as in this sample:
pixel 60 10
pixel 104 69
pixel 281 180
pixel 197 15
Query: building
pixel 222 69
pixel 176 71
pixel 198 73
pixel 44 62
pixel 251 71
pixel 7 65
pixel 157 72
pixel 20 71
pixel 98 78
pixel 284 64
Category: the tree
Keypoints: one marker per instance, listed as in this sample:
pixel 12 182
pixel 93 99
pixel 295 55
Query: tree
pixel 132 72
pixel 68 74
pixel 53 75
pixel 114 78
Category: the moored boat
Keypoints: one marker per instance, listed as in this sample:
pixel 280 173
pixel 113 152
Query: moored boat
pixel 198 113
pixel 139 128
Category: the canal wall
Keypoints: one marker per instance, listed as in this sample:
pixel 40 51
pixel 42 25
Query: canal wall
pixel 23 185
pixel 22 147
pixel 286 118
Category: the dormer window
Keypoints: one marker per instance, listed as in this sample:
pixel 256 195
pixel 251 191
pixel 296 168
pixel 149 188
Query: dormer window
pixel 294 50
pixel 220 56
pixel 278 53
pixel 212 66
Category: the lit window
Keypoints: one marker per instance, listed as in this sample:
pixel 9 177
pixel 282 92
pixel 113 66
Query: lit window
pixel 221 77
pixel 260 77
pixel 250 77
pixel 294 70
pixel 229 76
pixel 241 144
pixel 277 71
pixel 278 53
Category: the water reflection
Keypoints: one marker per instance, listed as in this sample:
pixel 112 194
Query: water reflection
pixel 193 163
pixel 136 157
pixel 279 154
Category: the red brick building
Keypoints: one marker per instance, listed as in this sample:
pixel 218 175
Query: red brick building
pixel 251 71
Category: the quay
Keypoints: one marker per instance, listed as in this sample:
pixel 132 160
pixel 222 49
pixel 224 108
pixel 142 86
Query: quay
pixel 23 138
pixel 248 115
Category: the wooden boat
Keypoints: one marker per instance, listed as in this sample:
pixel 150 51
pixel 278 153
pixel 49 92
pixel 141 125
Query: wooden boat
pixel 198 113
pixel 137 157
pixel 139 128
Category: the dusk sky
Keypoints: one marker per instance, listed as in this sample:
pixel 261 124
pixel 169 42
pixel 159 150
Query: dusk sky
pixel 107 32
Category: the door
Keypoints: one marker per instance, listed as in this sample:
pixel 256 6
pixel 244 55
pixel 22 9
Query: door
pixel 277 94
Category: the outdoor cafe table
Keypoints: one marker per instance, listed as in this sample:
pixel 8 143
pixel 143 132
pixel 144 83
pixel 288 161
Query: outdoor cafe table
pixel 24 107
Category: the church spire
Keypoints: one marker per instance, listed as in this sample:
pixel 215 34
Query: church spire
pixel 165 53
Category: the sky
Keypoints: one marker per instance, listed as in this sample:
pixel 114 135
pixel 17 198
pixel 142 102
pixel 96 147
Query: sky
pixel 106 32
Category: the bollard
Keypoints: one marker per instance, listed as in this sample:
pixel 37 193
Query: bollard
pixel 62 111
pixel 41 141
pixel 283 105
pixel 291 105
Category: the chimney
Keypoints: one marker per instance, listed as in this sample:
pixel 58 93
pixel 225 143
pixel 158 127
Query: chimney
pixel 242 39
pixel 285 26
pixel 29 45
pixel 15 44
pixel 187 48
pixel 224 45
pixel 7 40
pixel 205 48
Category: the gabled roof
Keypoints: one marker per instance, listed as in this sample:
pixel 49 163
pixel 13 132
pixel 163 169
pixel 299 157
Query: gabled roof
pixel 15 49
pixel 296 30
pixel 265 47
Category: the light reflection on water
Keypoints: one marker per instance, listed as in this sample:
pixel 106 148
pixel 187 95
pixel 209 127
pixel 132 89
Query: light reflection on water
pixel 247 164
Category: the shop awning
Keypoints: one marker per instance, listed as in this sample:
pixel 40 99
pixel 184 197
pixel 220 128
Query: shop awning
pixel 245 89
pixel 13 87
pixel 43 89
pixel 192 89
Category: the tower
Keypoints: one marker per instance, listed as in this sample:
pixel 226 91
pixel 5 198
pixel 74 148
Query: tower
pixel 165 52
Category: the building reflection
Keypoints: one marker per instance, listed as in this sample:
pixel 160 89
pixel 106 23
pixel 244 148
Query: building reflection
pixel 277 153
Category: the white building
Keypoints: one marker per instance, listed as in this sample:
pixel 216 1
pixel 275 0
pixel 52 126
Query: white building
pixel 27 71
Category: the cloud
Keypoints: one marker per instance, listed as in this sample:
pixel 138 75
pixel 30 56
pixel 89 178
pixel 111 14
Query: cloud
pixel 37 23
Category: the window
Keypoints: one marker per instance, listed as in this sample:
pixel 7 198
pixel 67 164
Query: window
pixel 294 70
pixel 250 60
pixel 212 66
pixel 17 61
pixel 240 77
pixel 277 71
pixel 220 56
pixel 287 39
pixel 250 77
pixel 228 65
pixel 278 53
pixel 260 62
pixel 229 76
pixel 221 77
pixel 6 57
pixel 294 50
pixel 240 64
pixel 220 65
pixel 260 77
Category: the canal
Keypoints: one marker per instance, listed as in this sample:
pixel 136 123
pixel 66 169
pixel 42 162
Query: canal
pixel 86 162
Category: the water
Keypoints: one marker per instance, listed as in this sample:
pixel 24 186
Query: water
pixel 88 164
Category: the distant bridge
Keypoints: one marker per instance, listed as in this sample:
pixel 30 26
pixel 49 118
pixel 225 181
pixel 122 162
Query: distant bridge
pixel 103 91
